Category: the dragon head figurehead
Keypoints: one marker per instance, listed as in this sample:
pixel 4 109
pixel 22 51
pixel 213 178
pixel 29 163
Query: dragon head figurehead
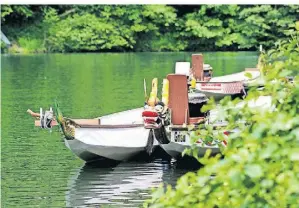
pixel 155 112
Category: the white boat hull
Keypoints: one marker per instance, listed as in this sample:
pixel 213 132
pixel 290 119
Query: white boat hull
pixel 181 140
pixel 175 149
pixel 81 150
pixel 112 143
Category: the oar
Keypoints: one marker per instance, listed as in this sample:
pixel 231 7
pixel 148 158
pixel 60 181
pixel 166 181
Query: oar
pixel 33 114
pixel 144 87
pixel 59 116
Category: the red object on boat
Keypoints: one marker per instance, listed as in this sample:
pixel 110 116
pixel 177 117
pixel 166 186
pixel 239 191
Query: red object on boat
pixel 226 133
pixel 149 121
pixel 222 87
pixel 149 114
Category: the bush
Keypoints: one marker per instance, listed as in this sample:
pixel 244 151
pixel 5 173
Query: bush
pixel 261 163
pixel 31 45
pixel 3 47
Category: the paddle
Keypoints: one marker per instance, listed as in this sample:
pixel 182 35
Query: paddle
pixel 145 93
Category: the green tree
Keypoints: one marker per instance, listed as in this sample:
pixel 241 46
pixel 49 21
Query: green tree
pixel 110 27
pixel 15 11
pixel 211 26
pixel 76 28
pixel 265 24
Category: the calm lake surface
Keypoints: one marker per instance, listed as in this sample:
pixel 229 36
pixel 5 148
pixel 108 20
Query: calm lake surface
pixel 37 170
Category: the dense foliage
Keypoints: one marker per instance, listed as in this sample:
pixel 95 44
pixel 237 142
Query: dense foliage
pixel 76 28
pixel 260 167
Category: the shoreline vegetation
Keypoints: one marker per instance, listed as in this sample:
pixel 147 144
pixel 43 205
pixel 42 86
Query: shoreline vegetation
pixel 259 167
pixel 144 28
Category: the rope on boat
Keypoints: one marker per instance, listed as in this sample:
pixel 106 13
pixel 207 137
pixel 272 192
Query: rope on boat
pixel 150 142
pixel 245 94
pixel 160 135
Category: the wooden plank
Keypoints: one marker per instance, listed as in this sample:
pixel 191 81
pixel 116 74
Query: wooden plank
pixel 197 66
pixel 78 121
pixel 178 99
pixel 87 121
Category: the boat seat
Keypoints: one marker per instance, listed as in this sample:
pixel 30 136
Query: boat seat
pixel 87 121
pixel 178 99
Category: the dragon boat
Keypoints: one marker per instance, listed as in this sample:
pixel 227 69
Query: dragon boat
pixel 176 120
pixel 108 139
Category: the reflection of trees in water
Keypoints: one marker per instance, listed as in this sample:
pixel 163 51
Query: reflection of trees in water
pixel 127 184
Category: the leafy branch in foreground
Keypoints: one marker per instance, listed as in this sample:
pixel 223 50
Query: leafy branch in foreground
pixel 261 163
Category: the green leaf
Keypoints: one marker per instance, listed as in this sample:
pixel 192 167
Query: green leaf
pixel 248 74
pixel 254 170
pixel 294 155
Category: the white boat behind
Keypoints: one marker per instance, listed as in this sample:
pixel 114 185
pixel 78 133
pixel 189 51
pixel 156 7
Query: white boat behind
pixel 200 75
pixel 219 90
pixel 248 75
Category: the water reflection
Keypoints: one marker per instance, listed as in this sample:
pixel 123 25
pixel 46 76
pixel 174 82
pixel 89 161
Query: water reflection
pixel 126 185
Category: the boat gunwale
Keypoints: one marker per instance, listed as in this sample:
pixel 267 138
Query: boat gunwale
pixel 112 126
pixel 119 112
pixel 221 82
pixel 198 145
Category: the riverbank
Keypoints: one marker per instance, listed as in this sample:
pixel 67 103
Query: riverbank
pixel 15 49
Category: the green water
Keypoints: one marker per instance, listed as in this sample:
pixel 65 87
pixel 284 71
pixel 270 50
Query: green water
pixel 37 170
